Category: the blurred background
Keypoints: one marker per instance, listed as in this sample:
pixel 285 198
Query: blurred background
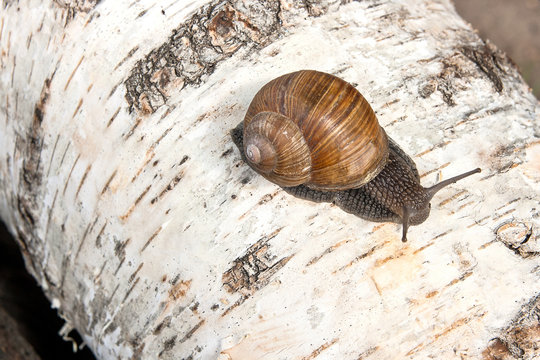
pixel 512 25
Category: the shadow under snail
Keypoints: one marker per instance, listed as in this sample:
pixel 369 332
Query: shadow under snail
pixel 316 136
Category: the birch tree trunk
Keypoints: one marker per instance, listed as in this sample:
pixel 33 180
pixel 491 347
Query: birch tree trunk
pixel 137 216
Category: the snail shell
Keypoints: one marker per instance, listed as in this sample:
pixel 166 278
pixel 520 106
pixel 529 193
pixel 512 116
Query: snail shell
pixel 314 129
pixel 317 137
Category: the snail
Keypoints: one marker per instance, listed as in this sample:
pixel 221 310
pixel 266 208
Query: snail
pixel 316 136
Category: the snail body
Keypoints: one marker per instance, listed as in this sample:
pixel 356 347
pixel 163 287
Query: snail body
pixel 317 137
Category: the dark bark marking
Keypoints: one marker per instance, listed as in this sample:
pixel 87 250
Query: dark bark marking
pixel 360 257
pixel 127 57
pixel 73 7
pixel 64 155
pixel 508 203
pixel 170 186
pixel 328 250
pixel 98 237
pixel 237 303
pixel 130 289
pixel 49 215
pixel 464 276
pixel 164 324
pixel 184 159
pixel 227 152
pixel 120 248
pixel 133 128
pixel 132 277
pixel 441 235
pixel 113 117
pixel 113 90
pixel 119 265
pixel 151 238
pixel 150 154
pixel 31 71
pixel 98 275
pixel 168 345
pixel 14 66
pixel 29 41
pixel 320 349
pixel 52 154
pixel 79 104
pixel 190 333
pixel 497 217
pixel 109 182
pixel 70 172
pixel 142 13
pixel 30 147
pixel 137 201
pixel 85 175
pixel 86 231
pixel 73 72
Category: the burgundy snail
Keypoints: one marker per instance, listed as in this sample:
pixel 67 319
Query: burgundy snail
pixel 317 137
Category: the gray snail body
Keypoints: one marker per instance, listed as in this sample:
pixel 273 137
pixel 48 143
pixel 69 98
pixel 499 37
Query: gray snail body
pixel 317 137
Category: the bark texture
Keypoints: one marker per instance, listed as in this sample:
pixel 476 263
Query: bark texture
pixel 135 212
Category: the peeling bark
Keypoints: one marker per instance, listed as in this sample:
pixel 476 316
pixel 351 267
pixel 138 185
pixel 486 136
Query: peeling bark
pixel 146 230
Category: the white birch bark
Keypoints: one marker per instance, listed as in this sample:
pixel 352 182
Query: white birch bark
pixel 153 239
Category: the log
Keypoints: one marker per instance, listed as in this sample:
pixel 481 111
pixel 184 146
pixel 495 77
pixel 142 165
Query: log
pixel 152 238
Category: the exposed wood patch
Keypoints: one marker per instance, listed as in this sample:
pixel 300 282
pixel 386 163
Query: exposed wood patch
pixel 211 35
pixel 180 289
pixel 521 338
pixel 253 270
pixel 519 237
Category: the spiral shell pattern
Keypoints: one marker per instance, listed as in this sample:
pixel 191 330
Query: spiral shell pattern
pixel 315 129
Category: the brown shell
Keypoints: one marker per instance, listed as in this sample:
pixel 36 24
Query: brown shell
pixel 347 147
